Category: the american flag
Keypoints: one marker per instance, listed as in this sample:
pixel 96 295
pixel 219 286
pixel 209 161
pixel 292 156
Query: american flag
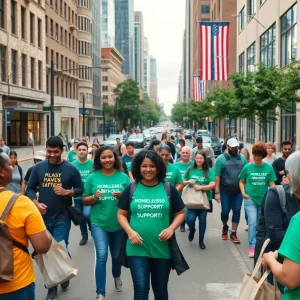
pixel 199 88
pixel 214 50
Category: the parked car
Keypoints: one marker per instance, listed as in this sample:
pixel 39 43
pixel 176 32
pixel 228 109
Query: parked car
pixel 203 131
pixel 213 142
pixel 111 140
pixel 188 134
pixel 139 140
pixel 148 135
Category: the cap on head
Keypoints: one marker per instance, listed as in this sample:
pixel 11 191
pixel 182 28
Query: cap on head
pixel 40 155
pixel 77 140
pixel 199 139
pixel 232 143
pixel 72 141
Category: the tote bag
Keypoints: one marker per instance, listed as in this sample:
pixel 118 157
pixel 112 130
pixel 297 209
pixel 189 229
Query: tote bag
pixel 55 266
pixel 257 288
pixel 194 199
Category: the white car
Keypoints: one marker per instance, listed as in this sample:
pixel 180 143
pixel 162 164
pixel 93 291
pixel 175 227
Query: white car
pixel 203 131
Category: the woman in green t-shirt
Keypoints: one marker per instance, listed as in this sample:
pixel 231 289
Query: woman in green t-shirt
pixel 102 191
pixel 173 174
pixel 149 228
pixel 202 178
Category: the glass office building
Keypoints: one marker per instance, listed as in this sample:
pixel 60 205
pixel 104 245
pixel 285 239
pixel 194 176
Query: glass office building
pixel 108 23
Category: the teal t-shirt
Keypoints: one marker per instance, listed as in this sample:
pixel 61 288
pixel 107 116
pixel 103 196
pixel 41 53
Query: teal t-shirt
pixel 104 211
pixel 72 155
pixel 290 249
pixel 257 180
pixel 173 175
pixel 197 175
pixel 183 167
pixel 221 160
pixel 84 170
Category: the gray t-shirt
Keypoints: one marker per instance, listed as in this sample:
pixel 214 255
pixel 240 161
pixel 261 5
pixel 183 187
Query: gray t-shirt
pixel 15 185
pixel 270 162
pixel 5 149
pixel 196 149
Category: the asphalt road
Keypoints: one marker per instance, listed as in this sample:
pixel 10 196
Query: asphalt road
pixel 215 273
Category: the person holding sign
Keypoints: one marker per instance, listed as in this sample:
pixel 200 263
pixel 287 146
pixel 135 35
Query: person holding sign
pixel 149 227
pixel 102 191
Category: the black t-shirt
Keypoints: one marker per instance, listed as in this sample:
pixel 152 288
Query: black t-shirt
pixel 278 165
pixel 27 176
pixel 177 203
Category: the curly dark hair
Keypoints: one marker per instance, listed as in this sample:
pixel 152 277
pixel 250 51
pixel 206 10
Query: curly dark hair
pixel 155 158
pixel 260 149
pixel 97 164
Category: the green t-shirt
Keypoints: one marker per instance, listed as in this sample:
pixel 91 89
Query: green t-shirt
pixel 290 249
pixel 173 175
pixel 84 170
pixel 72 155
pixel 257 180
pixel 104 211
pixel 183 167
pixel 197 175
pixel 221 160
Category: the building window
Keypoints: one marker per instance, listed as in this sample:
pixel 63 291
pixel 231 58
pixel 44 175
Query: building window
pixel 31 28
pixel 241 134
pixel 65 10
pixel 40 74
pixel 23 22
pixel 24 63
pixel 39 33
pixel 205 9
pixel 242 63
pixel 104 88
pixel 242 19
pixel 3 63
pixel 56 5
pixel 2 13
pixel 47 84
pixel 270 129
pixel 60 7
pixel 32 67
pixel 56 31
pixel 267 46
pixel 61 35
pixel 251 58
pixel 104 78
pixel 250 131
pixel 13 16
pixel 51 27
pixel 57 60
pixel 289 36
pixel 47 55
pixel 251 7
pixel 288 124
pixel 66 89
pixel 14 55
pixel 61 62
pixel 62 87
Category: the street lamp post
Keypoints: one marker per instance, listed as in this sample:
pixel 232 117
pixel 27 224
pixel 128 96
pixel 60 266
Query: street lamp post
pixel 83 114
pixel 52 98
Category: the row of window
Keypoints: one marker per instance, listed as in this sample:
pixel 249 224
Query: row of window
pixel 84 3
pixel 84 24
pixel 64 10
pixel 85 48
pixel 288 40
pixel 85 72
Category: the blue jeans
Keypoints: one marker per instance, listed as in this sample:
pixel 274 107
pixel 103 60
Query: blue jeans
pixel 231 202
pixel 192 216
pixel 86 220
pixel 141 267
pixel 253 212
pixel 59 230
pixel 26 293
pixel 102 240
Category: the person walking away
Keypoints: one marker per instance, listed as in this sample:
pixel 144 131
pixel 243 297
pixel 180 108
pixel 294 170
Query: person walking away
pixel 149 227
pixel 85 167
pixel 173 174
pixel 271 151
pixel 3 147
pixel 17 176
pixel 127 159
pixel 283 230
pixel 73 151
pixel 58 181
pixel 102 191
pixel 171 144
pixel 30 138
pixel 117 147
pixel 38 157
pixel 200 177
pixel 279 163
pixel 227 169
pixel 199 147
pixel 255 179
pixel 183 165
pixel 25 224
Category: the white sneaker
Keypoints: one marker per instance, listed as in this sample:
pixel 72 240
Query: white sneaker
pixel 100 297
pixel 118 284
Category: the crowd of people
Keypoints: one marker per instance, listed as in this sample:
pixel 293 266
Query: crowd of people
pixel 132 205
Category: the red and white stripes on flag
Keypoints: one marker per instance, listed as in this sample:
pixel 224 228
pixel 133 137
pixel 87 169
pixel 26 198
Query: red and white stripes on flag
pixel 199 88
pixel 214 38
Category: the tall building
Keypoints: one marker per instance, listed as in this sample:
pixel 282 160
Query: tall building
pixel 180 91
pixel 271 37
pixel 107 23
pixel 22 69
pixel 146 67
pixel 139 48
pixel 61 47
pixel 124 34
pixel 153 80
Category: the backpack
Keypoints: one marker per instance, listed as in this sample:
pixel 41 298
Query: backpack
pixel 261 234
pixel 7 244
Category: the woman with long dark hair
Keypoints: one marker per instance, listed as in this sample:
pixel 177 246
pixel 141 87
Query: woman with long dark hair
pixel 102 191
pixel 200 177
pixel 149 227
pixel 154 145
pixel 17 175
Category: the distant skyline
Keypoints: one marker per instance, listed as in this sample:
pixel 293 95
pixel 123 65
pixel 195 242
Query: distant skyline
pixel 163 26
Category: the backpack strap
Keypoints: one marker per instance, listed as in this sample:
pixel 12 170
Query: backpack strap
pixel 132 190
pixel 226 156
pixel 168 190
pixel 9 205
pixel 282 197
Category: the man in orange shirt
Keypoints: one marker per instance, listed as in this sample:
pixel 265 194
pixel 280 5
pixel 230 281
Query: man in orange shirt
pixel 24 223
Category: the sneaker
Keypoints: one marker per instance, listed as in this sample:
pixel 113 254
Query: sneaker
pixel 202 245
pixel 251 251
pixel 234 238
pixel 118 284
pixel 182 227
pixel 225 233
pixel 191 235
pixel 65 285
pixel 246 228
pixel 52 293
pixel 100 297
pixel 83 242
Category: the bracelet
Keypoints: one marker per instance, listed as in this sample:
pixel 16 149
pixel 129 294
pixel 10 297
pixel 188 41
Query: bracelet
pixel 217 192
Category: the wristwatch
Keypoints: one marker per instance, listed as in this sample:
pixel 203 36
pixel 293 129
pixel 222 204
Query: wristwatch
pixel 217 192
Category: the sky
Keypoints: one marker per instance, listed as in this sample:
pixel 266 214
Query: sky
pixel 163 26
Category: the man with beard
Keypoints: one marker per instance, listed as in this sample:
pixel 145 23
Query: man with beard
pixel 227 169
pixel 279 164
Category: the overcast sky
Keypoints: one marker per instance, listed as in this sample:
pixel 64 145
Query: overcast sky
pixel 163 26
